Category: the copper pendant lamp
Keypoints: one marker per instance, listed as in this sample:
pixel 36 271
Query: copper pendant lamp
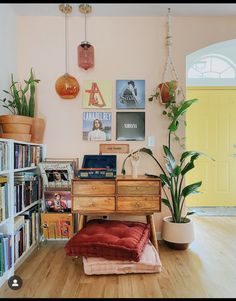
pixel 67 86
pixel 85 49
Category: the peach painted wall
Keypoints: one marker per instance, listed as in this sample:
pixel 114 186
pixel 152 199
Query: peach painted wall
pixel 125 48
pixel 8 49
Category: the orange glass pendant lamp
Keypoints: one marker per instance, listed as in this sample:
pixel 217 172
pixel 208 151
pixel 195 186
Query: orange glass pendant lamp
pixel 67 86
pixel 85 49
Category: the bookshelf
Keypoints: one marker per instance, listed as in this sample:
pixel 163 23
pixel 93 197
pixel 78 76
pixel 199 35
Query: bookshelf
pixel 20 203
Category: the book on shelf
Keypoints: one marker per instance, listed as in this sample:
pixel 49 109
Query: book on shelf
pixel 3 155
pixel 27 155
pixel 4 203
pixel 25 231
pixel 27 190
pixel 57 225
pixel 5 252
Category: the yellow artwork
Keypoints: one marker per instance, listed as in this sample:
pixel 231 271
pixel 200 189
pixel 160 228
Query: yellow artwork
pixel 97 94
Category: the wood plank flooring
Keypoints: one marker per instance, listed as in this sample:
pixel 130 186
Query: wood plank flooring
pixel 206 270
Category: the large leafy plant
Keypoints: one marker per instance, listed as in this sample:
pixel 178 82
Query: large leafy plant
pixel 173 173
pixel 21 100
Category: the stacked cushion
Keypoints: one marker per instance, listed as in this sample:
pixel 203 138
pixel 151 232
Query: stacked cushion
pixel 149 263
pixel 110 239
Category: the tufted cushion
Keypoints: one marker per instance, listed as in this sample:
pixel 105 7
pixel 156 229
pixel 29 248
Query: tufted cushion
pixel 110 239
pixel 149 263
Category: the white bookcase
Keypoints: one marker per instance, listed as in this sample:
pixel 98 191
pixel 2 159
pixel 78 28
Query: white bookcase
pixel 8 169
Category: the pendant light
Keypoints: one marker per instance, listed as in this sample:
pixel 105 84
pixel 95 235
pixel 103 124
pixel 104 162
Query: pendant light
pixel 85 49
pixel 67 86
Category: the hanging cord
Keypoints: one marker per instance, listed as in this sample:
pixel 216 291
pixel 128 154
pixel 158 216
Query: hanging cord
pixel 169 62
pixel 85 25
pixel 66 62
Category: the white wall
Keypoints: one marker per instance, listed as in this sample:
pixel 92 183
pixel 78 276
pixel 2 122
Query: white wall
pixel 8 49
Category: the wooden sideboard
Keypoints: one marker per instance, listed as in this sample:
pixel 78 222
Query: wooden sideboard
pixel 122 195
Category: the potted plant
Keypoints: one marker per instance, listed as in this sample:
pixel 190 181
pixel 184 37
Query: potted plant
pixel 20 102
pixel 166 92
pixel 177 229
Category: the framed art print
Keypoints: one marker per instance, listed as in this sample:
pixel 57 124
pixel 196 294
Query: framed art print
pixel 130 126
pixel 57 201
pixel 97 94
pixel 130 94
pixel 56 175
pixel 97 126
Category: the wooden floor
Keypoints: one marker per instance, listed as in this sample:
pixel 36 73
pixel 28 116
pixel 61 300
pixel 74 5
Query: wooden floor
pixel 206 270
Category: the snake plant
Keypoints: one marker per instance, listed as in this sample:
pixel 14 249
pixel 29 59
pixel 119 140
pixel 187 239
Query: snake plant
pixel 21 100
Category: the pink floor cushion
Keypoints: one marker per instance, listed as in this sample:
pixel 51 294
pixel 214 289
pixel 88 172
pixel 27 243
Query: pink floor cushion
pixel 110 239
pixel 149 263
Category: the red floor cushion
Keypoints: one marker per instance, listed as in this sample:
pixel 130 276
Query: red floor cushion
pixel 110 239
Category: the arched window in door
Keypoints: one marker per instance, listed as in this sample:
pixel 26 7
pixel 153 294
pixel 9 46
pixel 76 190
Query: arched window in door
pixel 212 69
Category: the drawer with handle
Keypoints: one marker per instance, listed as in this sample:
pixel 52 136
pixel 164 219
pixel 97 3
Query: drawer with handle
pixel 93 187
pixel 93 204
pixel 138 187
pixel 152 203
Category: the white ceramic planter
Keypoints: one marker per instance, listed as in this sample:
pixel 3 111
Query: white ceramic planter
pixel 177 235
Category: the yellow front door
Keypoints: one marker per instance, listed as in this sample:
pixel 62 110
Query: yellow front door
pixel 211 128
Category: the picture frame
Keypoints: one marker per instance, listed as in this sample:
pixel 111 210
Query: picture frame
pixel 130 94
pixel 57 201
pixel 97 126
pixel 56 174
pixel 130 126
pixel 73 161
pixel 97 94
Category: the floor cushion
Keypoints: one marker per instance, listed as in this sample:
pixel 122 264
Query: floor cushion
pixel 110 239
pixel 149 263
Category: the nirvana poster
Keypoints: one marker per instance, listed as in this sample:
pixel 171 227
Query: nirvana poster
pixel 130 126
pixel 130 94
pixel 97 126
pixel 97 94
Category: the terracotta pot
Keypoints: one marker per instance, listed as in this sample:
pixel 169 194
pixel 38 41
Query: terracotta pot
pixel 16 136
pixel 16 124
pixel 37 130
pixel 164 91
pixel 177 235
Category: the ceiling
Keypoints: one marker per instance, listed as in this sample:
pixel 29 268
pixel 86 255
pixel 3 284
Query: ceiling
pixel 129 9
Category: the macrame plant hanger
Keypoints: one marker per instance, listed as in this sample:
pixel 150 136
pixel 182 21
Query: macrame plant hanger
pixel 169 65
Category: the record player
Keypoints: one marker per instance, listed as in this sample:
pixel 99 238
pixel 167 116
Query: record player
pixel 98 167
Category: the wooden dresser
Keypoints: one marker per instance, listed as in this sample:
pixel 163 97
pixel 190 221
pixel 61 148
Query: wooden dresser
pixel 122 195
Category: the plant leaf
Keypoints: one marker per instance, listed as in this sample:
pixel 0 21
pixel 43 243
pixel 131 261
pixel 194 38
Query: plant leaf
pixel 167 203
pixel 191 189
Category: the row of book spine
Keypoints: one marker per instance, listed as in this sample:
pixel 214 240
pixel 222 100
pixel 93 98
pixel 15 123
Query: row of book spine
pixel 4 204
pixel 27 155
pixel 3 155
pixel 27 190
pixel 5 252
pixel 26 230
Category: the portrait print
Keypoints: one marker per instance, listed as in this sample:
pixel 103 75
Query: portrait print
pixel 130 94
pixel 97 126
